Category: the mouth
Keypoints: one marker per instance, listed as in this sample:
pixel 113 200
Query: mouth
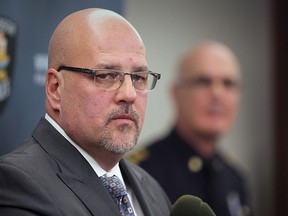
pixel 216 109
pixel 124 119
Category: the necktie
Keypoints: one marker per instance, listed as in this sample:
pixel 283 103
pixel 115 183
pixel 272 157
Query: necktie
pixel 118 194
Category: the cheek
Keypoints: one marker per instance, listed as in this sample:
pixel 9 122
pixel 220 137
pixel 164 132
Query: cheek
pixel 141 107
pixel 85 104
pixel 187 108
pixel 94 106
pixel 232 103
pixel 195 107
pixel 196 104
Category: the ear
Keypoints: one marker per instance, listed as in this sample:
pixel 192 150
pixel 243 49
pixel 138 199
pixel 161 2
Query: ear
pixel 54 82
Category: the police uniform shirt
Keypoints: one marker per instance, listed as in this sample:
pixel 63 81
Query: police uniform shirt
pixel 181 170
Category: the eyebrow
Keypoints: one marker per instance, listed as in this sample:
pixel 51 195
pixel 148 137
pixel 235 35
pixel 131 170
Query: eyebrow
pixel 118 67
pixel 201 75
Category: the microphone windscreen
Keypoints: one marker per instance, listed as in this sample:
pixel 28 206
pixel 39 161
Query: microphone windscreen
pixel 188 205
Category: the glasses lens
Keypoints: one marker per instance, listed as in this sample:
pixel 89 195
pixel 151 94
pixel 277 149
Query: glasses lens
pixel 140 80
pixel 106 79
pixel 144 81
pixel 111 80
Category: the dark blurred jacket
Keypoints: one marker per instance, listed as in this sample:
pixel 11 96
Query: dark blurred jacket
pixel 181 170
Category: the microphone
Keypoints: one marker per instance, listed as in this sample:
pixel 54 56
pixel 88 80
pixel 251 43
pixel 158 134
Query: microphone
pixel 188 205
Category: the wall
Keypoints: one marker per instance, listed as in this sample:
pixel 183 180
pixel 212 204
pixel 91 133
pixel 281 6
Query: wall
pixel 32 23
pixel 168 27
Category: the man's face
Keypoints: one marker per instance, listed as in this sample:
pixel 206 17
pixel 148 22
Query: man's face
pixel 208 95
pixel 95 117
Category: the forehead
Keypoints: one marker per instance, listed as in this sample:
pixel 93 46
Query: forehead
pixel 212 62
pixel 109 42
pixel 116 34
pixel 122 61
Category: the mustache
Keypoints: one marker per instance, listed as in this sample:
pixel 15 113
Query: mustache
pixel 125 110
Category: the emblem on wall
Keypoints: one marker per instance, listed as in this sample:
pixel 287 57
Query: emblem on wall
pixel 7 46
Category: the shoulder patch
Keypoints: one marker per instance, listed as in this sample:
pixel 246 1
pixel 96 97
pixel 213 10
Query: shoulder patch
pixel 138 155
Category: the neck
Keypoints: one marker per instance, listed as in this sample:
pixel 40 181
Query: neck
pixel 205 144
pixel 106 159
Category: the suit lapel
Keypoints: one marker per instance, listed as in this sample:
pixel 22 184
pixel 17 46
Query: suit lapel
pixel 74 170
pixel 94 197
pixel 136 181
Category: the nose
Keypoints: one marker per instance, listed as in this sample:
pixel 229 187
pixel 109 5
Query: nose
pixel 126 92
pixel 218 88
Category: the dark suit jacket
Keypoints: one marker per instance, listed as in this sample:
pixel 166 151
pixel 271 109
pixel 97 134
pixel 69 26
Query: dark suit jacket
pixel 46 175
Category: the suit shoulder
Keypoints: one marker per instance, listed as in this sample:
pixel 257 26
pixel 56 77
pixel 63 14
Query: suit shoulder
pixel 28 157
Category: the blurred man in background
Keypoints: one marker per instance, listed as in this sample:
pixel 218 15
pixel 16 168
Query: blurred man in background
pixel 206 94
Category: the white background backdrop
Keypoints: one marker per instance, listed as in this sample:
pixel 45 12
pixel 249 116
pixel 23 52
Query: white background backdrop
pixel 169 27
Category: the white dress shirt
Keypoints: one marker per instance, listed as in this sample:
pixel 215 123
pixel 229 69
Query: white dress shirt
pixel 98 169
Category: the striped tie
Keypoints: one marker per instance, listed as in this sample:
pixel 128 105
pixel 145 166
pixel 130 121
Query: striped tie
pixel 118 194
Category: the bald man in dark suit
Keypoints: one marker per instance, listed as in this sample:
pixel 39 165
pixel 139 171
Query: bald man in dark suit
pixel 94 116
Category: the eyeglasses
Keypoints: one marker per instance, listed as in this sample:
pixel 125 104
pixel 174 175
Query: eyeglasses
pixel 204 82
pixel 113 79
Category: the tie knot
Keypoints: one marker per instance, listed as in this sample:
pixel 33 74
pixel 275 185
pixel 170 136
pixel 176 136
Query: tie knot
pixel 113 185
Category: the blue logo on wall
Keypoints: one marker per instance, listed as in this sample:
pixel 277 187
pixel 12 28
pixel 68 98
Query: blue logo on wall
pixel 8 31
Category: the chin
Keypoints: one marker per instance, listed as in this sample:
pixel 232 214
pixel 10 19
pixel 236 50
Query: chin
pixel 216 129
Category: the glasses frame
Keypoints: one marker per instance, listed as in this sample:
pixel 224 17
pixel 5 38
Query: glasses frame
pixel 94 72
